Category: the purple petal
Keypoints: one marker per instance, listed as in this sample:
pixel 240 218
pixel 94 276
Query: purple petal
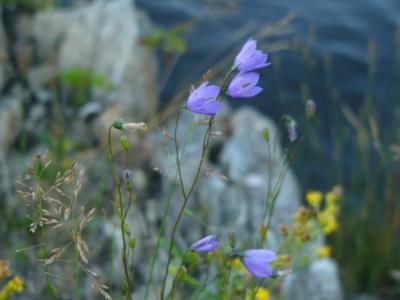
pixel 203 100
pixel 249 58
pixel 261 254
pixel 257 262
pixel 244 85
pixel 253 91
pixel 257 268
pixel 248 48
pixel 212 107
pixel 206 244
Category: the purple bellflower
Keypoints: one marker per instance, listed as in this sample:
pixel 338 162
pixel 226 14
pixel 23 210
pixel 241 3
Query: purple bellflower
pixel 257 262
pixel 249 58
pixel 203 100
pixel 244 85
pixel 206 244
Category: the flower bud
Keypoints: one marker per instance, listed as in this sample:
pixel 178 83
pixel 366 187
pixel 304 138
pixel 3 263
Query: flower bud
pixel 284 229
pixel 232 239
pixel 291 127
pixel 310 109
pixel 118 124
pixel 124 142
pixel 127 177
pixel 135 126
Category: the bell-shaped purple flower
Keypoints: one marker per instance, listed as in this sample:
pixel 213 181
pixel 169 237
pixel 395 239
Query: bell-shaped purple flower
pixel 207 244
pixel 249 58
pixel 203 100
pixel 244 85
pixel 257 262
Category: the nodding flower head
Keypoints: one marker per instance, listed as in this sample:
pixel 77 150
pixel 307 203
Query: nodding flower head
pixel 257 262
pixel 203 100
pixel 291 127
pixel 249 58
pixel 206 244
pixel 128 176
pixel 244 85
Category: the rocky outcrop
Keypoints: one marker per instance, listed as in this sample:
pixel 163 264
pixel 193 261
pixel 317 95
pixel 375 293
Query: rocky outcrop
pixel 103 38
pixel 319 281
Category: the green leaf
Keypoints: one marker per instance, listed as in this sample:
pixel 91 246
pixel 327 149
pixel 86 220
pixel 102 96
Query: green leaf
pixel 174 44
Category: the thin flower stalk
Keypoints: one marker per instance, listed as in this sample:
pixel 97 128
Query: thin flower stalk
pixel 163 223
pixel 185 195
pixel 122 216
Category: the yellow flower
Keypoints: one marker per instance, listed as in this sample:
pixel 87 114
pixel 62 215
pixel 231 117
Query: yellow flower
pixel 237 264
pixel 15 285
pixel 324 251
pixel 328 221
pixel 314 198
pixel 262 294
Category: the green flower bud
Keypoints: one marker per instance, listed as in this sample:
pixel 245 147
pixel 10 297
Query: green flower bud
pixel 118 124
pixel 124 142
pixel 127 177
pixel 310 109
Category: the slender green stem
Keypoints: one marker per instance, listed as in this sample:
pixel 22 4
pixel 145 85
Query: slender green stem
pixel 255 290
pixel 226 283
pixel 162 227
pixel 207 283
pixel 186 196
pixel 77 275
pixel 122 215
pixel 154 259
pixel 124 245
pixel 175 281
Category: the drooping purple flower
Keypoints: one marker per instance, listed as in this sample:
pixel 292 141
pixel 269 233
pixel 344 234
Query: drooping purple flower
pixel 249 58
pixel 257 262
pixel 206 244
pixel 203 100
pixel 244 85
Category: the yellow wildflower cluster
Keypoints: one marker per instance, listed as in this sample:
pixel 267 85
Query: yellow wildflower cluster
pixel 15 285
pixel 302 226
pixel 327 218
pixel 323 211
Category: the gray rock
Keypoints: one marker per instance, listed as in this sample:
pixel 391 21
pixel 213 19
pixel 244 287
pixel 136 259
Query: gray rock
pixel 320 281
pixel 103 37
pixel 90 110
pixel 40 76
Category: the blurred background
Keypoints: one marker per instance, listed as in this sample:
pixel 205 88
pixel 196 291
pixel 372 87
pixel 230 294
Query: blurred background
pixel 344 55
